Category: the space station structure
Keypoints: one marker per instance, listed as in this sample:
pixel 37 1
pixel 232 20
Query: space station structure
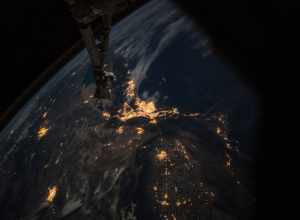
pixel 94 19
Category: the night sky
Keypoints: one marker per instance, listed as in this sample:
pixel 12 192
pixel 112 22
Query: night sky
pixel 36 34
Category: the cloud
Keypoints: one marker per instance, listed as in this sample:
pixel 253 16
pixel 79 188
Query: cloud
pixel 143 36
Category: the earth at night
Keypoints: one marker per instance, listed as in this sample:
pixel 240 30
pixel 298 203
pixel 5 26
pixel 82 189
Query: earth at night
pixel 179 142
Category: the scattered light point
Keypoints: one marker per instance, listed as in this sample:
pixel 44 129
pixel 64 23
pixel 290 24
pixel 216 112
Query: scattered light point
pixel 51 193
pixel 162 155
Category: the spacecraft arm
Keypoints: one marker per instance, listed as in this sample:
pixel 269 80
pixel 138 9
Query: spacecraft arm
pixel 94 21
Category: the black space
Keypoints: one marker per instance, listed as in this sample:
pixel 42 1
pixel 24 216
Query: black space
pixel 37 32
